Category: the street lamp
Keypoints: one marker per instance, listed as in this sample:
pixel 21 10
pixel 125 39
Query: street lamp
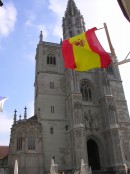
pixel 1 3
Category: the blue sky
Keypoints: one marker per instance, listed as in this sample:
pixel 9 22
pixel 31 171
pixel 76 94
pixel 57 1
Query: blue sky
pixel 20 26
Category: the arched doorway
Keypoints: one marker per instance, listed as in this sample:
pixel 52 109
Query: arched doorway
pixel 93 155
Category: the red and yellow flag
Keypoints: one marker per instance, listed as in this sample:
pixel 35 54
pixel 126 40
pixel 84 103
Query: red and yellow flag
pixel 84 52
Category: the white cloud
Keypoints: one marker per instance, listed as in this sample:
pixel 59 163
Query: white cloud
pixel 57 6
pixel 30 22
pixel 57 31
pixel 5 125
pixel 8 17
pixel 31 109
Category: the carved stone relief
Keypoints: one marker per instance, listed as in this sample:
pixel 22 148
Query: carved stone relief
pixel 92 121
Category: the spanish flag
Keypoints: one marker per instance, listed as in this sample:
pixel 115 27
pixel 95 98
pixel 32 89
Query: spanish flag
pixel 84 52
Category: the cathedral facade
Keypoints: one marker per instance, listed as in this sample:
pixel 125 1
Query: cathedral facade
pixel 78 115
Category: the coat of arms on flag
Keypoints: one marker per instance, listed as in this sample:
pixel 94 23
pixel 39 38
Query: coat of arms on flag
pixel 2 100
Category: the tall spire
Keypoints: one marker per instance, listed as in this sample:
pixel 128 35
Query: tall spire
pixel 71 8
pixel 73 22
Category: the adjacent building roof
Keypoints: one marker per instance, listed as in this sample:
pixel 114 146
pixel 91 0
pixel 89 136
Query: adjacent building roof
pixel 4 150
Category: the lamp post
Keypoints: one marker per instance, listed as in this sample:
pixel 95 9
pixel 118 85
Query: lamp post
pixel 1 3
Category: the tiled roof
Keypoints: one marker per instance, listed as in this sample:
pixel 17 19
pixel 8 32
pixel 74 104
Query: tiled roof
pixel 33 118
pixel 4 150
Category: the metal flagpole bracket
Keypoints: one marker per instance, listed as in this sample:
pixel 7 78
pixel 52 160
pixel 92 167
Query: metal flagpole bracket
pixel 115 62
pixel 100 28
pixel 123 61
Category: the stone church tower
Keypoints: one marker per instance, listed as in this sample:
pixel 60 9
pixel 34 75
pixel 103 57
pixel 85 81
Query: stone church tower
pixel 78 115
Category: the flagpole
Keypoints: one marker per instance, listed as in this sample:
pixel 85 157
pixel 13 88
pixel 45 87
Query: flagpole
pixel 112 49
pixel 123 61
pixel 109 41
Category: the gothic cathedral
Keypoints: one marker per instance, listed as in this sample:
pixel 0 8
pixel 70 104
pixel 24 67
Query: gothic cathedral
pixel 78 115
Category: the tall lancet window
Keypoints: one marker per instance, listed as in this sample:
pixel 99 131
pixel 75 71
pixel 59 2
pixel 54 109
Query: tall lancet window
pixel 51 59
pixel 19 142
pixel 31 143
pixel 86 90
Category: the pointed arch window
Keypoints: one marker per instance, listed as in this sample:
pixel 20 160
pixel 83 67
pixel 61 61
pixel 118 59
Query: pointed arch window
pixel 19 143
pixel 86 90
pixel 51 59
pixel 31 143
